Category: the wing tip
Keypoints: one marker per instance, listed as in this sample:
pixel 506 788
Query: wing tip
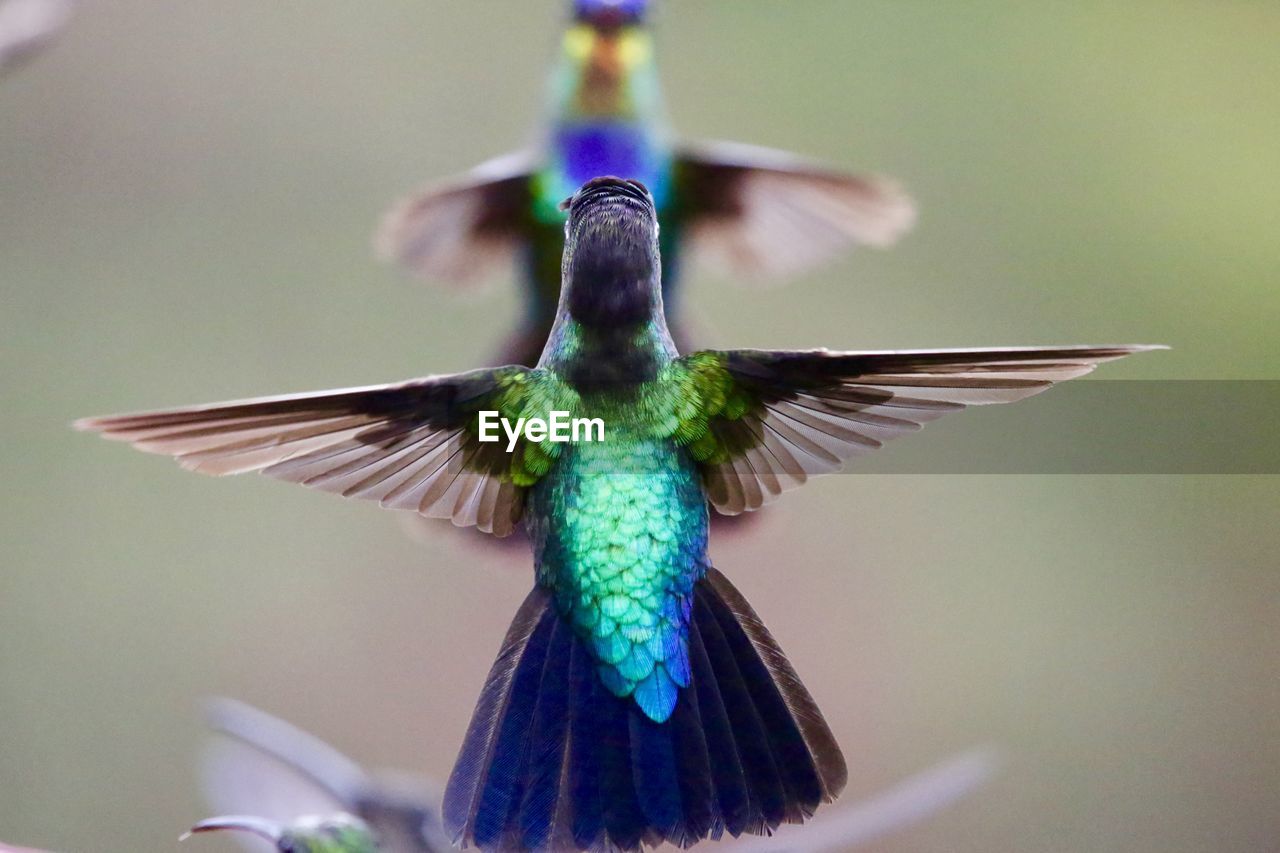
pixel 1116 351
pixel 109 427
pixel 389 237
pixel 897 213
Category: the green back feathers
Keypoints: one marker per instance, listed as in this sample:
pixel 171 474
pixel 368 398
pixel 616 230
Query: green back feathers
pixel 702 391
pixel 520 396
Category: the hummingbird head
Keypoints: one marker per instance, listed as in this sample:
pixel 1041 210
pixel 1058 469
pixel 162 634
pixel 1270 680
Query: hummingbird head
pixel 611 270
pixel 606 47
pixel 605 14
pixel 340 833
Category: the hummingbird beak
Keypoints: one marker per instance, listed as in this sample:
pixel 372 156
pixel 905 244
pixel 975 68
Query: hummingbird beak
pixel 268 829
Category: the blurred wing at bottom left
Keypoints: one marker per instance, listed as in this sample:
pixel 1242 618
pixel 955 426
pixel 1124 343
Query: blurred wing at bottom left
pixel 260 765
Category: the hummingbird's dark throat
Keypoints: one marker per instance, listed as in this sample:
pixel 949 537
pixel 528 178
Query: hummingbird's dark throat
pixel 612 271
pixel 607 189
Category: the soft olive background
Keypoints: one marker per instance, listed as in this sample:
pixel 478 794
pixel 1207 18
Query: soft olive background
pixel 186 195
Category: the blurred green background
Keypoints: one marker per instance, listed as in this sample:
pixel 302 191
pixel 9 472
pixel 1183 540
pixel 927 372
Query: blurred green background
pixel 186 196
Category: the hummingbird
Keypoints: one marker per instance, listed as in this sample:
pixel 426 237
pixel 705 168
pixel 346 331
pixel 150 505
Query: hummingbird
pixel 264 763
pixel 746 211
pixel 264 766
pixel 340 833
pixel 637 697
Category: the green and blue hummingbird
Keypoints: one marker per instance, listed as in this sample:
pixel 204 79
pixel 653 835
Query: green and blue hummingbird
pixel 746 211
pixel 637 697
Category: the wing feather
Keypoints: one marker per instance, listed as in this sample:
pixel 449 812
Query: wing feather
pixel 462 230
pixel 754 212
pixel 808 412
pixel 408 446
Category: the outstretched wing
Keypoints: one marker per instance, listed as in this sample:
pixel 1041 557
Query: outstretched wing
pixel 413 445
pixel 755 212
pixel 461 231
pixel 762 422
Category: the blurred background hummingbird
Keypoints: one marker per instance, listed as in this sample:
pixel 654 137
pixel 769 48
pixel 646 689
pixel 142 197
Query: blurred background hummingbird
pixel 258 764
pixel 336 833
pixel 748 212
pixel 637 697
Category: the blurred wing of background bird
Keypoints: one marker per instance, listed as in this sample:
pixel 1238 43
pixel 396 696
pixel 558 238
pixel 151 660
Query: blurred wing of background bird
pixel 261 765
pixel 28 25
pixel 911 801
pixel 756 214
pixel 744 211
pixel 462 230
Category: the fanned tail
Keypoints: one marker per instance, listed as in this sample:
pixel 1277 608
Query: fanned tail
pixel 554 761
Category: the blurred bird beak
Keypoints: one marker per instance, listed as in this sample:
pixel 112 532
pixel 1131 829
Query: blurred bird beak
pixel 270 830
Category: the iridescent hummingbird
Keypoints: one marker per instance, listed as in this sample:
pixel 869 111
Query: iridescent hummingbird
pixel 749 212
pixel 262 766
pixel 637 697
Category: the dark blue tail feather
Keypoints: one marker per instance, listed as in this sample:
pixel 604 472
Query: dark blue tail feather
pixel 764 785
pixel 471 771
pixel 548 737
pixel 796 770
pixel 733 809
pixel 693 771
pixel 508 770
pixel 656 777
pixel 587 812
pixel 623 820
